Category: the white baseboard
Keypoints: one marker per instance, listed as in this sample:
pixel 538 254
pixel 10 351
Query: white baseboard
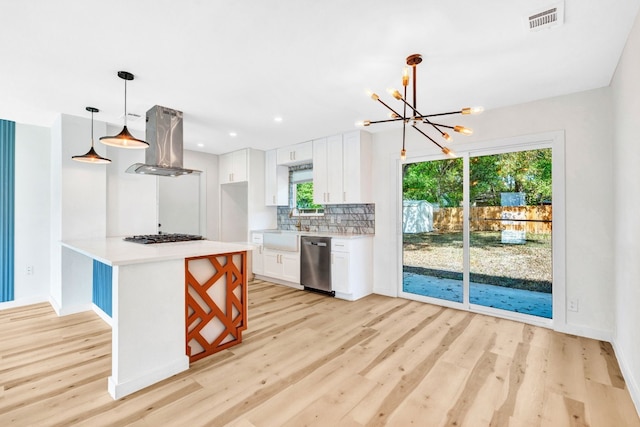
pixel 128 387
pixel 104 316
pixel 586 332
pixel 22 302
pixel 278 281
pixel 629 379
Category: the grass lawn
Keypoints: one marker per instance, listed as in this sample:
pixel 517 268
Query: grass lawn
pixel 522 266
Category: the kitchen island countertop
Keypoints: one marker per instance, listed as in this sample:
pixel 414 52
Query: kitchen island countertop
pixel 115 251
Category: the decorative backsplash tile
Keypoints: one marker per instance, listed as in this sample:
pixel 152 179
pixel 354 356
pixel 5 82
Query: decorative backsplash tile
pixel 353 218
pixel 356 219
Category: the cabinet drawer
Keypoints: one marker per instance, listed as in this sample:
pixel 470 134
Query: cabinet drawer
pixel 256 238
pixel 339 245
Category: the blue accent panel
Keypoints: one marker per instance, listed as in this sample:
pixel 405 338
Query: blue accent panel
pixel 102 274
pixel 7 208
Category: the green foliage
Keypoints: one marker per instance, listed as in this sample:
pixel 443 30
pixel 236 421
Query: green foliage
pixel 304 196
pixel 440 181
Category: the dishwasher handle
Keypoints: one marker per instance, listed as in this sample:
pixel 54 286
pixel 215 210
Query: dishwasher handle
pixel 308 243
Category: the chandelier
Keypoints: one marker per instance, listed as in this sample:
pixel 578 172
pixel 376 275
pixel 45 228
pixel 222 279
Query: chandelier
pixel 414 116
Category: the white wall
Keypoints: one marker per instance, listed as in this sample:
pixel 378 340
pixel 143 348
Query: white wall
pixel 78 202
pixel 626 184
pixel 210 190
pixel 586 119
pixel 131 199
pixel 33 151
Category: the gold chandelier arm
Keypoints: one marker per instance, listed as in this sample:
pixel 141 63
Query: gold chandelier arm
pixel 390 109
pixel 427 136
pixel 372 122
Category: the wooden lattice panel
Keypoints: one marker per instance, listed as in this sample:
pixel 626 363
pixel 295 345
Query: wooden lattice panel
pixel 216 303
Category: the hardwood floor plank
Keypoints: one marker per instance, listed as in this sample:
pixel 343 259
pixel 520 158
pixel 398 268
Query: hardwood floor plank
pixel 308 359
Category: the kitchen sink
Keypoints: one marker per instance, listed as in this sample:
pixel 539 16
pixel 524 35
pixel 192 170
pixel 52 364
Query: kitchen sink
pixel 280 240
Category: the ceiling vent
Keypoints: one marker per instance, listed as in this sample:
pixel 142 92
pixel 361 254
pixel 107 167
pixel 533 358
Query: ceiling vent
pixel 548 17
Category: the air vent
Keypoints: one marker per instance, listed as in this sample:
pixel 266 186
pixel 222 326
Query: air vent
pixel 548 17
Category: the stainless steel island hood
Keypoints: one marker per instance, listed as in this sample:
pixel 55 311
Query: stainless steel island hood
pixel 164 156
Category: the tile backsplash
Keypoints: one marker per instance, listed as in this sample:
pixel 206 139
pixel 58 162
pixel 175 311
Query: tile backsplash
pixel 356 218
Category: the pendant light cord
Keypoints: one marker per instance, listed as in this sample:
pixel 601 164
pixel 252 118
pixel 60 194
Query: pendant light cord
pixel 92 129
pixel 125 102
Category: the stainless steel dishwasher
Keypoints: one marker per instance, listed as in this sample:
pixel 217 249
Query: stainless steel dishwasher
pixel 315 264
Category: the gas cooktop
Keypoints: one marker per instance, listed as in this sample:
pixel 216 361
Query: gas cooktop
pixel 162 238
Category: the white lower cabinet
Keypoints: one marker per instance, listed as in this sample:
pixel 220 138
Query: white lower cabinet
pixel 352 267
pixel 257 256
pixel 282 265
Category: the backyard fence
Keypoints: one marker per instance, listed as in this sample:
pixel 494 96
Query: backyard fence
pixel 531 219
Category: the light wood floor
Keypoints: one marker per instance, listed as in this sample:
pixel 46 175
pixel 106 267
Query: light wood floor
pixel 308 359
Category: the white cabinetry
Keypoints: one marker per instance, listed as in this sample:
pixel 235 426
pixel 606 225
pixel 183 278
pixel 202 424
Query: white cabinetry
pixel 327 170
pixel 352 267
pixel 342 169
pixel 234 167
pixel 276 182
pixel 295 154
pixel 282 265
pixel 257 256
pixel 242 206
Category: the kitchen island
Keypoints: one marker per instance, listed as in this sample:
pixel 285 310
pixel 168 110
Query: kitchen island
pixel 156 290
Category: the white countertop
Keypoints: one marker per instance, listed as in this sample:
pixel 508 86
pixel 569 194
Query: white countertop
pixel 317 233
pixel 115 251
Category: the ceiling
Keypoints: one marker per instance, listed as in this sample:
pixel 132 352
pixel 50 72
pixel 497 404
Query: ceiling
pixel 233 66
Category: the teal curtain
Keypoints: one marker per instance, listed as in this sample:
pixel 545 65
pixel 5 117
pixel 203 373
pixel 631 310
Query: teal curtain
pixel 7 207
pixel 102 274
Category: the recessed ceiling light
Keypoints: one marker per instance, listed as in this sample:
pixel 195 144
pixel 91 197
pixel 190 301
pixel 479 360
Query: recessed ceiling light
pixel 277 119
pixel 200 144
pixel 233 134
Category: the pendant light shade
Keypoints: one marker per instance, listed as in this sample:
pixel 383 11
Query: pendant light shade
pixel 91 156
pixel 124 139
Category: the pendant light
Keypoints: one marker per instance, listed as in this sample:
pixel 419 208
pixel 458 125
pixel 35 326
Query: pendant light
pixel 124 139
pixel 91 156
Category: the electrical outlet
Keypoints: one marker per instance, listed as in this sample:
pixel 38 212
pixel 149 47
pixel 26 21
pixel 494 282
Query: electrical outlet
pixel 29 270
pixel 572 304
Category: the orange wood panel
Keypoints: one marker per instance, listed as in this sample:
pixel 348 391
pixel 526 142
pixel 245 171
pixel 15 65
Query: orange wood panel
pixel 226 318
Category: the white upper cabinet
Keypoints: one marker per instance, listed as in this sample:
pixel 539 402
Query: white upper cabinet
pixel 233 166
pixel 276 183
pixel 356 160
pixel 295 154
pixel 342 169
pixel 328 170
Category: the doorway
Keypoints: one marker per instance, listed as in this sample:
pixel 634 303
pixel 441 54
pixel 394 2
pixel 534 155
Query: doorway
pixel 477 231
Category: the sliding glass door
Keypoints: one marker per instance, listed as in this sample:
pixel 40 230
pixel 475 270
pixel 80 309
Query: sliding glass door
pixel 510 231
pixel 477 231
pixel 432 194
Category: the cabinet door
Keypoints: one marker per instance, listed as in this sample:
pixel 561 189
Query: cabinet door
pixel 290 267
pixel 334 170
pixel 225 166
pixel 258 260
pixel 320 160
pixel 356 152
pixel 272 266
pixel 303 152
pixel 340 272
pixel 240 169
pixel 276 182
pixel 295 154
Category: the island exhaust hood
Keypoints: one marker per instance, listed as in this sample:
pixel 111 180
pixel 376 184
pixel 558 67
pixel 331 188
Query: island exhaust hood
pixel 164 156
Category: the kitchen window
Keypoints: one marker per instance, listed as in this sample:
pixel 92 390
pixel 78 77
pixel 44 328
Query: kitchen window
pixel 302 194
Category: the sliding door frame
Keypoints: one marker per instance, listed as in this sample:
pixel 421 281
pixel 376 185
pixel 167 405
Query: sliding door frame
pixel 553 140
